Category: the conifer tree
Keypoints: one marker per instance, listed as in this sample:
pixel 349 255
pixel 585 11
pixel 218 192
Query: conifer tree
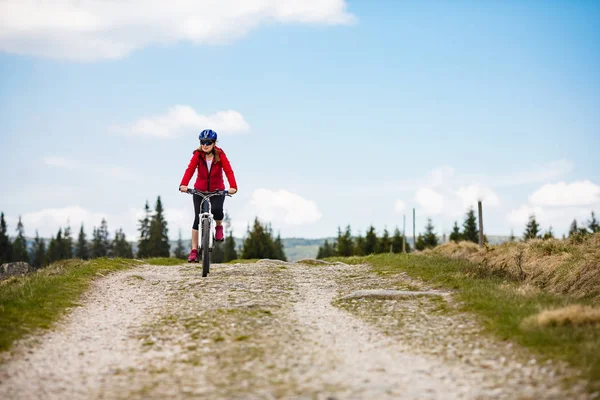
pixel 258 242
pixel 532 230
pixel 470 231
pixel 55 248
pixel 82 249
pixel 217 255
pixel 100 241
pixel 345 244
pixel 593 224
pixel 370 241
pixel 5 245
pixel 279 252
pixel 159 239
pixel 229 249
pixel 573 229
pixel 548 234
pixel 144 229
pixel 384 243
pixel 120 246
pixel 38 252
pixel 420 245
pixel 430 239
pixel 359 246
pixel 179 249
pixel 19 245
pixel 512 237
pixel 67 250
pixel 455 236
pixel 397 241
pixel 327 250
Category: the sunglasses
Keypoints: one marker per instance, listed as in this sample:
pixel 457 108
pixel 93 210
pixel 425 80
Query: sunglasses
pixel 206 142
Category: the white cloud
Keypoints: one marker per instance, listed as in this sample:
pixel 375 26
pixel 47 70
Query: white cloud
pixel 581 193
pixel 441 175
pixel 283 206
pixel 471 194
pixel 430 201
pixel 107 171
pixel 91 30
pixel 60 162
pixel 399 206
pixel 49 220
pixel 520 216
pixel 539 173
pixel 180 120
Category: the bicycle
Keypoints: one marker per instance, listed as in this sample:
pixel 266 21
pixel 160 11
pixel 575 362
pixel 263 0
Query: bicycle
pixel 207 223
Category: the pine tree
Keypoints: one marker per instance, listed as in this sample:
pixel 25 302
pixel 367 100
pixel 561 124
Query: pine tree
pixel 82 249
pixel 278 247
pixel 144 229
pixel 217 255
pixel 120 246
pixel 532 230
pixel 55 248
pixel 345 245
pixel 19 245
pixel 38 252
pixel 397 241
pixel 512 237
pixel 470 231
pixel 384 243
pixel 455 236
pixel 573 230
pixel 179 249
pixel 420 245
pixel 5 245
pixel 229 249
pixel 259 242
pixel 67 251
pixel 593 224
pixel 548 234
pixel 370 241
pixel 100 241
pixel 359 246
pixel 159 239
pixel 327 250
pixel 430 239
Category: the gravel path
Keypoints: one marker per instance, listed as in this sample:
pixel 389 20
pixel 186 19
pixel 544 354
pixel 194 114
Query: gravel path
pixel 271 330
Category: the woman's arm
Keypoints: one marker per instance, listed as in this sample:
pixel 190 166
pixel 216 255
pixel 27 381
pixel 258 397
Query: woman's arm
pixel 189 172
pixel 228 170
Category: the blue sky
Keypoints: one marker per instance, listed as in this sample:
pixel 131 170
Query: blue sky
pixel 331 112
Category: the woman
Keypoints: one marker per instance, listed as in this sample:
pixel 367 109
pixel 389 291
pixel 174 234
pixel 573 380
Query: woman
pixel 210 162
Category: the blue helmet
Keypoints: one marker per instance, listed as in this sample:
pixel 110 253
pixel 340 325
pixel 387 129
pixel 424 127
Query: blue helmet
pixel 208 134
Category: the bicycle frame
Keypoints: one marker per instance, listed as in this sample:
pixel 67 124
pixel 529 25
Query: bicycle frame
pixel 206 213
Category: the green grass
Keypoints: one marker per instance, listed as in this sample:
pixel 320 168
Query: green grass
pixel 502 307
pixel 242 261
pixel 36 301
pixel 164 261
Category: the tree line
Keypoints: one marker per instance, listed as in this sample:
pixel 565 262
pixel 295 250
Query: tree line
pixel 346 245
pixel 153 241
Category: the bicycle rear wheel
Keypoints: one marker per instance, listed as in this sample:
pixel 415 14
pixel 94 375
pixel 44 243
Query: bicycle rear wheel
pixel 205 249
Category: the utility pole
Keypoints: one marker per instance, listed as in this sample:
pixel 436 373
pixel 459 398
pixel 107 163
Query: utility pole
pixel 414 230
pixel 480 223
pixel 404 233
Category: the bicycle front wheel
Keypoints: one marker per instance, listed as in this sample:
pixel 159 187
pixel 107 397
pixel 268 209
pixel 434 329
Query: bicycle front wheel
pixel 205 249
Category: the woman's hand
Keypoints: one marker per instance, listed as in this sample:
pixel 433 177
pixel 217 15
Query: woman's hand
pixel 183 188
pixel 232 190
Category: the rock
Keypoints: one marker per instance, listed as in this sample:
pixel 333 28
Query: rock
pixel 389 294
pixel 14 269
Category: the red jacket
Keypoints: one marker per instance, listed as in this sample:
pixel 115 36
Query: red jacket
pixel 209 182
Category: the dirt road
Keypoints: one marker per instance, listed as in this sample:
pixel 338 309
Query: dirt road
pixel 272 330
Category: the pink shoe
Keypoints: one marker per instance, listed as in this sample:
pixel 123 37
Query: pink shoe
pixel 193 257
pixel 219 237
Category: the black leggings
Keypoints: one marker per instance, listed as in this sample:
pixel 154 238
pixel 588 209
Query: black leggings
pixel 216 203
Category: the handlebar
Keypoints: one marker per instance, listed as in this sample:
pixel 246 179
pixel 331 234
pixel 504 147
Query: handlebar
pixel 208 194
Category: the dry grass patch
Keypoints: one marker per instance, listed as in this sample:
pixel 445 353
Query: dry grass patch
pixel 569 266
pixel 574 315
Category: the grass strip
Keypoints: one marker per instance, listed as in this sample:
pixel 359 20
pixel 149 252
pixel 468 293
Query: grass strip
pixel 166 261
pixel 505 306
pixel 36 301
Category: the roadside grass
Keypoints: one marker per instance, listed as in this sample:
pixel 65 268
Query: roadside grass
pixel 36 301
pixel 242 261
pixel 167 261
pixel 510 309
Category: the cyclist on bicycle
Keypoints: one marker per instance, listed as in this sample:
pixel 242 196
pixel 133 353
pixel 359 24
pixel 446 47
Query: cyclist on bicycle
pixel 209 161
